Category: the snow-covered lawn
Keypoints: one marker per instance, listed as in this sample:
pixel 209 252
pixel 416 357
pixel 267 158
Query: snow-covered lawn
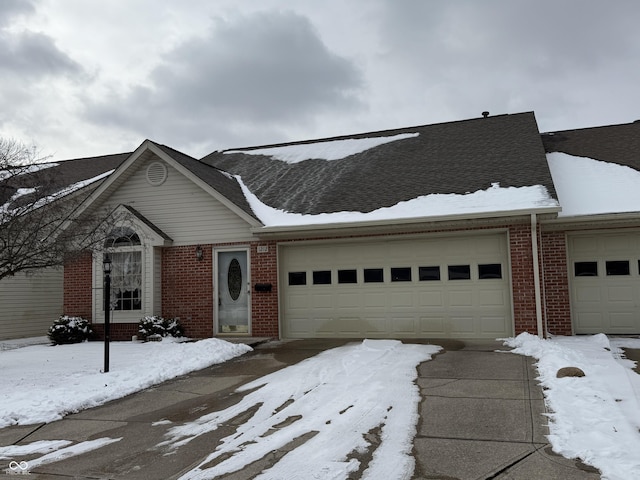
pixel 42 383
pixel 595 417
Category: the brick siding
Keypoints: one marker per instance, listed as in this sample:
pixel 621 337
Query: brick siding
pixel 556 283
pixel 524 301
pixel 77 284
pixel 264 306
pixel 188 290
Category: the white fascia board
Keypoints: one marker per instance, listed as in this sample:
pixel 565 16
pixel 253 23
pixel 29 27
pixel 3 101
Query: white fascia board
pixel 292 229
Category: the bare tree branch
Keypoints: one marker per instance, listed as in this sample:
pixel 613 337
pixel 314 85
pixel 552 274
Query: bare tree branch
pixel 34 206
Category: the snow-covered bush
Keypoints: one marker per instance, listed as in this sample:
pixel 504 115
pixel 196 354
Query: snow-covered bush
pixel 156 325
pixel 68 329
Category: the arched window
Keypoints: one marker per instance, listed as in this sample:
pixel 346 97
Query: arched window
pixel 125 250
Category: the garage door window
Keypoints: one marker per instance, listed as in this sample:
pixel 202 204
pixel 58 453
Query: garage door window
pixel 347 276
pixel 373 275
pixel 297 278
pixel 401 274
pixel 459 272
pixel 617 267
pixel 585 269
pixel 426 274
pixel 489 271
pixel 322 277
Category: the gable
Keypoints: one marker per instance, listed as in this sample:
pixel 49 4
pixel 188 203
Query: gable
pixel 176 205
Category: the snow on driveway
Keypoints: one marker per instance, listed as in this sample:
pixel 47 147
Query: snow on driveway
pixel 596 417
pixel 342 397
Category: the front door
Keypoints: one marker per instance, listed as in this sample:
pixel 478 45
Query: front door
pixel 233 292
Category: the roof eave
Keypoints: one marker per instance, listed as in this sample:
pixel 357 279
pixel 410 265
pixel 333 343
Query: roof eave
pixel 398 223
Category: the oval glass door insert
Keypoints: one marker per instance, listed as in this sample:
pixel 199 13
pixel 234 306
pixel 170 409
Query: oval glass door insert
pixel 234 279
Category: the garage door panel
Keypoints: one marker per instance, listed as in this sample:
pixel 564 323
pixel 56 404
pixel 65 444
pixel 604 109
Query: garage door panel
pixel 403 325
pixel 432 325
pixel 496 298
pixel 375 300
pixel 401 300
pixel 620 294
pixel 622 320
pixel 605 302
pixel 322 301
pixel 463 326
pixel 492 325
pixel 591 294
pixel 462 298
pixel 429 307
pixel 297 301
pixel 349 300
pixel 431 299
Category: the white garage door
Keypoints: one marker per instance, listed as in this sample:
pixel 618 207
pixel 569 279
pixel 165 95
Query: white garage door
pixel 605 283
pixel 427 287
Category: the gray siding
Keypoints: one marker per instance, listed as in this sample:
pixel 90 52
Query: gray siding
pixel 29 303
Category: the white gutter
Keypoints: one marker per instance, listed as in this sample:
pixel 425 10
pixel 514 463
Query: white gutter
pixel 536 273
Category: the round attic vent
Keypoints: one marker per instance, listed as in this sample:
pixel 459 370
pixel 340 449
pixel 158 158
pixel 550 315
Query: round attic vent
pixel 156 173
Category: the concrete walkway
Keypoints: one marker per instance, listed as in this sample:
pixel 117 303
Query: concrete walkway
pixel 480 418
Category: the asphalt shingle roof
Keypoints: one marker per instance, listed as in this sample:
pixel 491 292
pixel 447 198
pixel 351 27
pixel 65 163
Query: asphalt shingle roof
pixel 455 157
pixel 612 143
pixel 60 175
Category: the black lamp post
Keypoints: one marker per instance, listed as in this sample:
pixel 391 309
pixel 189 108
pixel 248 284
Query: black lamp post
pixel 106 268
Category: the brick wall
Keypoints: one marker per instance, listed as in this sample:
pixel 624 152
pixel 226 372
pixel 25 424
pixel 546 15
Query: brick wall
pixel 77 286
pixel 187 289
pixel 556 283
pixel 264 307
pixel 188 292
pixel 524 301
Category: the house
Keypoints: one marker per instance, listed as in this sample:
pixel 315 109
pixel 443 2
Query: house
pixel 31 300
pixel 480 228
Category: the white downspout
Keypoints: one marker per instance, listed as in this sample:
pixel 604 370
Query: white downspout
pixel 536 273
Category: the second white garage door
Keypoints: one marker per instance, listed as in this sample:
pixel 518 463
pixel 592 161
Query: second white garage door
pixel 421 287
pixel 605 282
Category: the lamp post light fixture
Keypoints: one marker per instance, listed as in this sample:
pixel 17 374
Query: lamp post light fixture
pixel 106 268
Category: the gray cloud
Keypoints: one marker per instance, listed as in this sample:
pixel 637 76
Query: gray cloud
pixel 33 54
pixel 549 56
pixel 12 8
pixel 26 53
pixel 260 71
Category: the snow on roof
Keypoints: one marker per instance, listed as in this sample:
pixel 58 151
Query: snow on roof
pixel 23 170
pixel 587 187
pixel 329 150
pixel 493 199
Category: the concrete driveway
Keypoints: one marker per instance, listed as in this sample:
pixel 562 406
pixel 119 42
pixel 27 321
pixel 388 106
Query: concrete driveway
pixel 481 417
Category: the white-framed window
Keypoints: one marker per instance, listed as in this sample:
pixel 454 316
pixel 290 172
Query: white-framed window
pixel 125 250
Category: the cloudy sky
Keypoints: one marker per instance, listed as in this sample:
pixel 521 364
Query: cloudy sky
pixel 86 77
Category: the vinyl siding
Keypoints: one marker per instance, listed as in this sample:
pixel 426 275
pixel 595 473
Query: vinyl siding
pixel 181 209
pixel 29 303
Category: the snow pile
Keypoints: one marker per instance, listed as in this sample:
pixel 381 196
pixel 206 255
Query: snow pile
pixel 338 398
pixel 493 199
pixel 587 187
pixel 595 417
pixel 42 383
pixel 330 150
